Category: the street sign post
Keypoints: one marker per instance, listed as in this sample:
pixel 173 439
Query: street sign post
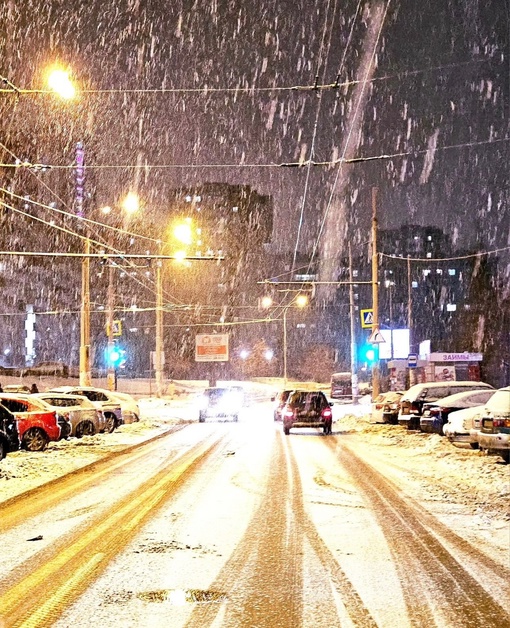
pixel 412 360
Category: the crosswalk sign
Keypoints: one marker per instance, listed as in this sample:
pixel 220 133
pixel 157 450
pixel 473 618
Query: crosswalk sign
pixel 367 318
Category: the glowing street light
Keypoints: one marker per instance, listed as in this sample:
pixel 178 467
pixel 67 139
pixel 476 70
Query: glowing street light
pixel 60 83
pixel 131 203
pixel 184 232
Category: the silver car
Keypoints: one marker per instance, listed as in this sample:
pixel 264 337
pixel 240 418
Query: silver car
pixel 83 417
pixel 110 409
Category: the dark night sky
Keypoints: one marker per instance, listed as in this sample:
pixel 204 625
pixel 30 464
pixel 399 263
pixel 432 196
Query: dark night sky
pixel 440 79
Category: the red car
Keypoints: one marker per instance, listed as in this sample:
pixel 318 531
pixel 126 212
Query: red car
pixel 37 425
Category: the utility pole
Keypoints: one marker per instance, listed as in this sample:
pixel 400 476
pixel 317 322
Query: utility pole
pixel 354 365
pixel 158 366
pixel 375 294
pixel 85 376
pixel 285 347
pixel 412 371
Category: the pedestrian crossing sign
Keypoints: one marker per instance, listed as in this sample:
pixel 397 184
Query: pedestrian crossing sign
pixel 367 319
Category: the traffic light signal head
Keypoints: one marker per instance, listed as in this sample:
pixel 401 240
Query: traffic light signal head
pixel 369 353
pixel 114 356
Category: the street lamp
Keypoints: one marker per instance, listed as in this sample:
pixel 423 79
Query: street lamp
pixel 61 84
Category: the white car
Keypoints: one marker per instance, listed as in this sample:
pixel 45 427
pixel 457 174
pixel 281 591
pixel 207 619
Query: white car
pixel 460 427
pixel 128 405
pixel 385 407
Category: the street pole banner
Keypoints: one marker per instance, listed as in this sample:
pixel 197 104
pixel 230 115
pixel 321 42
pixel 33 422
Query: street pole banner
pixel 211 348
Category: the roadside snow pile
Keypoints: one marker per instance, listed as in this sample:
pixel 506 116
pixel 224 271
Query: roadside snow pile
pixel 443 472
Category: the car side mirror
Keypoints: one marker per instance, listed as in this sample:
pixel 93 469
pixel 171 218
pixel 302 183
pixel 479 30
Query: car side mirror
pixel 273 398
pixel 331 404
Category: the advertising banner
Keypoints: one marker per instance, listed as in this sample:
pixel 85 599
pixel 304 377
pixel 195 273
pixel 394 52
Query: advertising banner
pixel 211 348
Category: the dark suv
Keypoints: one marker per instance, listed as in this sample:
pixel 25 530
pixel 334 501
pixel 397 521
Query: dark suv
pixel 307 408
pixel 9 440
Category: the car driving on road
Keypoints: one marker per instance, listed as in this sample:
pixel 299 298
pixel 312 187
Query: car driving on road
pixel 220 402
pixel 307 408
pixel 280 399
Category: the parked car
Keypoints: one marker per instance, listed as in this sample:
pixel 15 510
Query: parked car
pixel 307 408
pixel 460 424
pixel 494 434
pixel 385 407
pixel 9 440
pixel 81 416
pixel 221 402
pixel 16 388
pixel 280 399
pixel 128 406
pixel 435 414
pixel 110 408
pixel 37 424
pixel 413 400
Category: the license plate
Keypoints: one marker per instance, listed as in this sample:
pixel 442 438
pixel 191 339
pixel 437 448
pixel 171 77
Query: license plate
pixel 487 423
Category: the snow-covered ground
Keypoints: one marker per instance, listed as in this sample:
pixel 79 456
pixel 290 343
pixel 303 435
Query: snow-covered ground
pixel 453 474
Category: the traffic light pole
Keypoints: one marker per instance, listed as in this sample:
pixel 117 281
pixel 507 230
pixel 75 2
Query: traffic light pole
pixel 354 365
pixel 158 366
pixel 375 294
pixel 111 377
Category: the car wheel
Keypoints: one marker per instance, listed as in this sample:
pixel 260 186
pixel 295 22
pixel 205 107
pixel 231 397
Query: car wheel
pixel 201 417
pixel 85 428
pixel 34 439
pixel 327 428
pixel 505 454
pixel 286 431
pixel 474 445
pixel 110 423
pixel 2 450
pixel 235 417
pixel 65 431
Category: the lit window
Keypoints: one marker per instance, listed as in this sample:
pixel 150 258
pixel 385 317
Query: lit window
pixel 451 307
pixel 429 254
pixel 426 273
pixel 188 199
pixel 439 271
pixel 198 198
pixel 235 208
pixel 355 273
pixel 452 272
pixel 429 238
pixel 414 284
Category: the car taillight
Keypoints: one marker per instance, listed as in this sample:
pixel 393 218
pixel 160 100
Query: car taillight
pixel 501 423
pixel 326 413
pixel 378 406
pixel 435 411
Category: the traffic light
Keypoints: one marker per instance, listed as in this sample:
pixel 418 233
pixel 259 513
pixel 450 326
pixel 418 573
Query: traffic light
pixel 369 353
pixel 114 356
